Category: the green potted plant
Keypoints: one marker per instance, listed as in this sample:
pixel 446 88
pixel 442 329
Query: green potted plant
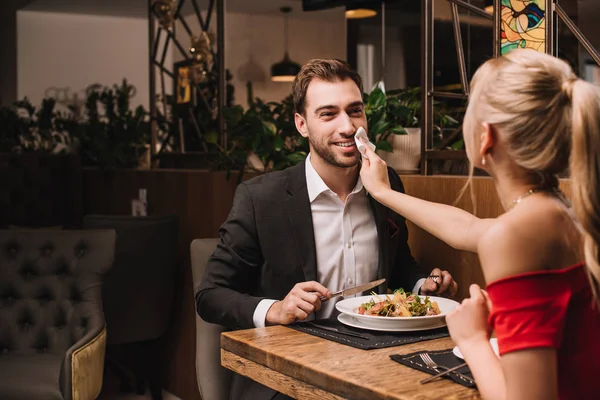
pixel 39 173
pixel 112 135
pixel 26 129
pixel 394 125
pixel 264 137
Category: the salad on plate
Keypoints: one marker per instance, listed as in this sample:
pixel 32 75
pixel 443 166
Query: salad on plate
pixel 399 304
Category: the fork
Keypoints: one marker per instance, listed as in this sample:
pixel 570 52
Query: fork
pixel 433 365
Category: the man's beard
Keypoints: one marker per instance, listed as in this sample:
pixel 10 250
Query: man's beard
pixel 329 156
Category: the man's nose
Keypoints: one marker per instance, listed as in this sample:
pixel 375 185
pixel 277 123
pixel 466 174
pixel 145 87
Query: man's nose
pixel 346 127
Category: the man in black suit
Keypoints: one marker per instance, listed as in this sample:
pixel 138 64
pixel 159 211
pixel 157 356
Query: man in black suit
pixel 293 236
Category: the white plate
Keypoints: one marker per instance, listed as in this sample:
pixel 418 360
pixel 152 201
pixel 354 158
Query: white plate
pixel 349 306
pixel 493 342
pixel 349 320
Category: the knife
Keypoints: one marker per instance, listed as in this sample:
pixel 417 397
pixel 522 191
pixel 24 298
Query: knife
pixel 355 289
pixel 336 330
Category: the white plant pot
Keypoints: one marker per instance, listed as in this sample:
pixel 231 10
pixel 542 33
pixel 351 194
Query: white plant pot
pixel 254 163
pixel 406 154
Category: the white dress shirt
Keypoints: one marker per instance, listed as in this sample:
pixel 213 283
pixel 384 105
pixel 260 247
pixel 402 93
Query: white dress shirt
pixel 346 241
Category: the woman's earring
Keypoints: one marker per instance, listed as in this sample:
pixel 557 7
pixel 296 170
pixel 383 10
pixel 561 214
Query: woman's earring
pixel 483 161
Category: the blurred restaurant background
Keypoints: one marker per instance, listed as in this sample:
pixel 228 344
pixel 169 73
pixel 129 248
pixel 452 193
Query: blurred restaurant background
pixel 142 116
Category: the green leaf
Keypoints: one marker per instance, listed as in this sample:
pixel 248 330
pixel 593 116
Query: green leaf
pixel 458 145
pixel 380 127
pixel 233 114
pixel 400 110
pixel 398 130
pixel 278 143
pixel 450 120
pixel 211 137
pixel 297 157
pixel 256 143
pixel 376 99
pixel 384 145
pixel 269 128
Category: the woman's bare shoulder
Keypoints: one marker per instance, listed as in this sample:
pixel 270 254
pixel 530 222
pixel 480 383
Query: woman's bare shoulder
pixel 532 237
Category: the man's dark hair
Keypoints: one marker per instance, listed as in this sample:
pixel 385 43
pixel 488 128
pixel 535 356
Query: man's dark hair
pixel 325 70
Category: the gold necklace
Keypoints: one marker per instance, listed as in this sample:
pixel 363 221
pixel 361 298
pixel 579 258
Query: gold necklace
pixel 557 192
pixel 520 198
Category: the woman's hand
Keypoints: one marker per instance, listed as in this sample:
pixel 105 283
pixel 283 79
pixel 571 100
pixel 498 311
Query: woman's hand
pixel 469 321
pixel 374 173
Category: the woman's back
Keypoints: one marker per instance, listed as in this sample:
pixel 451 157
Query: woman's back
pixel 551 309
pixel 539 289
pixel 538 234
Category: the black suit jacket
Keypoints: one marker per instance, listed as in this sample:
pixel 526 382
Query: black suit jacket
pixel 267 246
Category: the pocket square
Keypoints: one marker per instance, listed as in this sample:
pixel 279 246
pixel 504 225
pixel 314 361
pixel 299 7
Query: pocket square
pixel 392 228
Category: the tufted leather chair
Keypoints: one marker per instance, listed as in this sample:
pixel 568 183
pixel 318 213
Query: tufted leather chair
pixel 214 381
pixel 138 295
pixel 52 330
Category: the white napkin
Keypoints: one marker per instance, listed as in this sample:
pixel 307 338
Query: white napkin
pixel 360 133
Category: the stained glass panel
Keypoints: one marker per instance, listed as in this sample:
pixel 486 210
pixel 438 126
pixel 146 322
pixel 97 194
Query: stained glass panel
pixel 523 25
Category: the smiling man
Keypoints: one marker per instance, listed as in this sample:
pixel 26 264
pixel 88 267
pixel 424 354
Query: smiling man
pixel 296 235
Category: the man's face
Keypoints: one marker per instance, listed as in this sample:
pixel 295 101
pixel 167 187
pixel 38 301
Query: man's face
pixel 333 112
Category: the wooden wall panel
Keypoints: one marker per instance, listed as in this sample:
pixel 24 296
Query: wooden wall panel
pixel 202 200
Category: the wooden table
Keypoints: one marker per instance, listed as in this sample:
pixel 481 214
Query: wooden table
pixel 308 367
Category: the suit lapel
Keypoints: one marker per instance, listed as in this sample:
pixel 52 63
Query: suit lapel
pixel 380 215
pixel 301 225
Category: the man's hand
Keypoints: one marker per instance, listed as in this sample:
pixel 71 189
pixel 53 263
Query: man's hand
pixel 299 303
pixel 439 283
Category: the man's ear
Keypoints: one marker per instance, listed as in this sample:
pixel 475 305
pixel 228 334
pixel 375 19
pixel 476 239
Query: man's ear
pixel 488 139
pixel 300 122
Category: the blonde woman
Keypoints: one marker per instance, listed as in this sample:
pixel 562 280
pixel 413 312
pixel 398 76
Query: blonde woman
pixel 529 118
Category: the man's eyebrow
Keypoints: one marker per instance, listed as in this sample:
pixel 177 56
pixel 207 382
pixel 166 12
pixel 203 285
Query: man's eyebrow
pixel 331 107
pixel 327 107
pixel 355 103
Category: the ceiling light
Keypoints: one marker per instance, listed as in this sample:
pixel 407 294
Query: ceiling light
pixel 360 12
pixel 489 6
pixel 285 70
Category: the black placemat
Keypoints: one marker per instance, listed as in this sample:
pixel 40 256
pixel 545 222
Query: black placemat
pixel 442 357
pixel 371 340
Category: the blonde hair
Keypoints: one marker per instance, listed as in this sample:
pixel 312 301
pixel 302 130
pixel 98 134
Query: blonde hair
pixel 550 120
pixel 585 170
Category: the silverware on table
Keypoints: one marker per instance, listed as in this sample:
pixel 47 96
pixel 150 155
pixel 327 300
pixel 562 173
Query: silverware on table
pixel 433 365
pixel 355 289
pixel 336 330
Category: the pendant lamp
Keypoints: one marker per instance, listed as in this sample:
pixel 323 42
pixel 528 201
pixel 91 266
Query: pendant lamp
pixel 358 11
pixel 489 6
pixel 285 70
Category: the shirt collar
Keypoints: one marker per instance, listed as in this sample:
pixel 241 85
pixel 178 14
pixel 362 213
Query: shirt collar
pixel 316 185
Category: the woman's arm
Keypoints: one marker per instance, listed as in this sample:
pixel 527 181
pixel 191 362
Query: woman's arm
pixel 454 226
pixel 526 374
pixel 531 374
pixel 468 326
pixel 486 369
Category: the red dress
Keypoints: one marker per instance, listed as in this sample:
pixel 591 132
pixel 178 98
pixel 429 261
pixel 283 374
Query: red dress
pixel 552 309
